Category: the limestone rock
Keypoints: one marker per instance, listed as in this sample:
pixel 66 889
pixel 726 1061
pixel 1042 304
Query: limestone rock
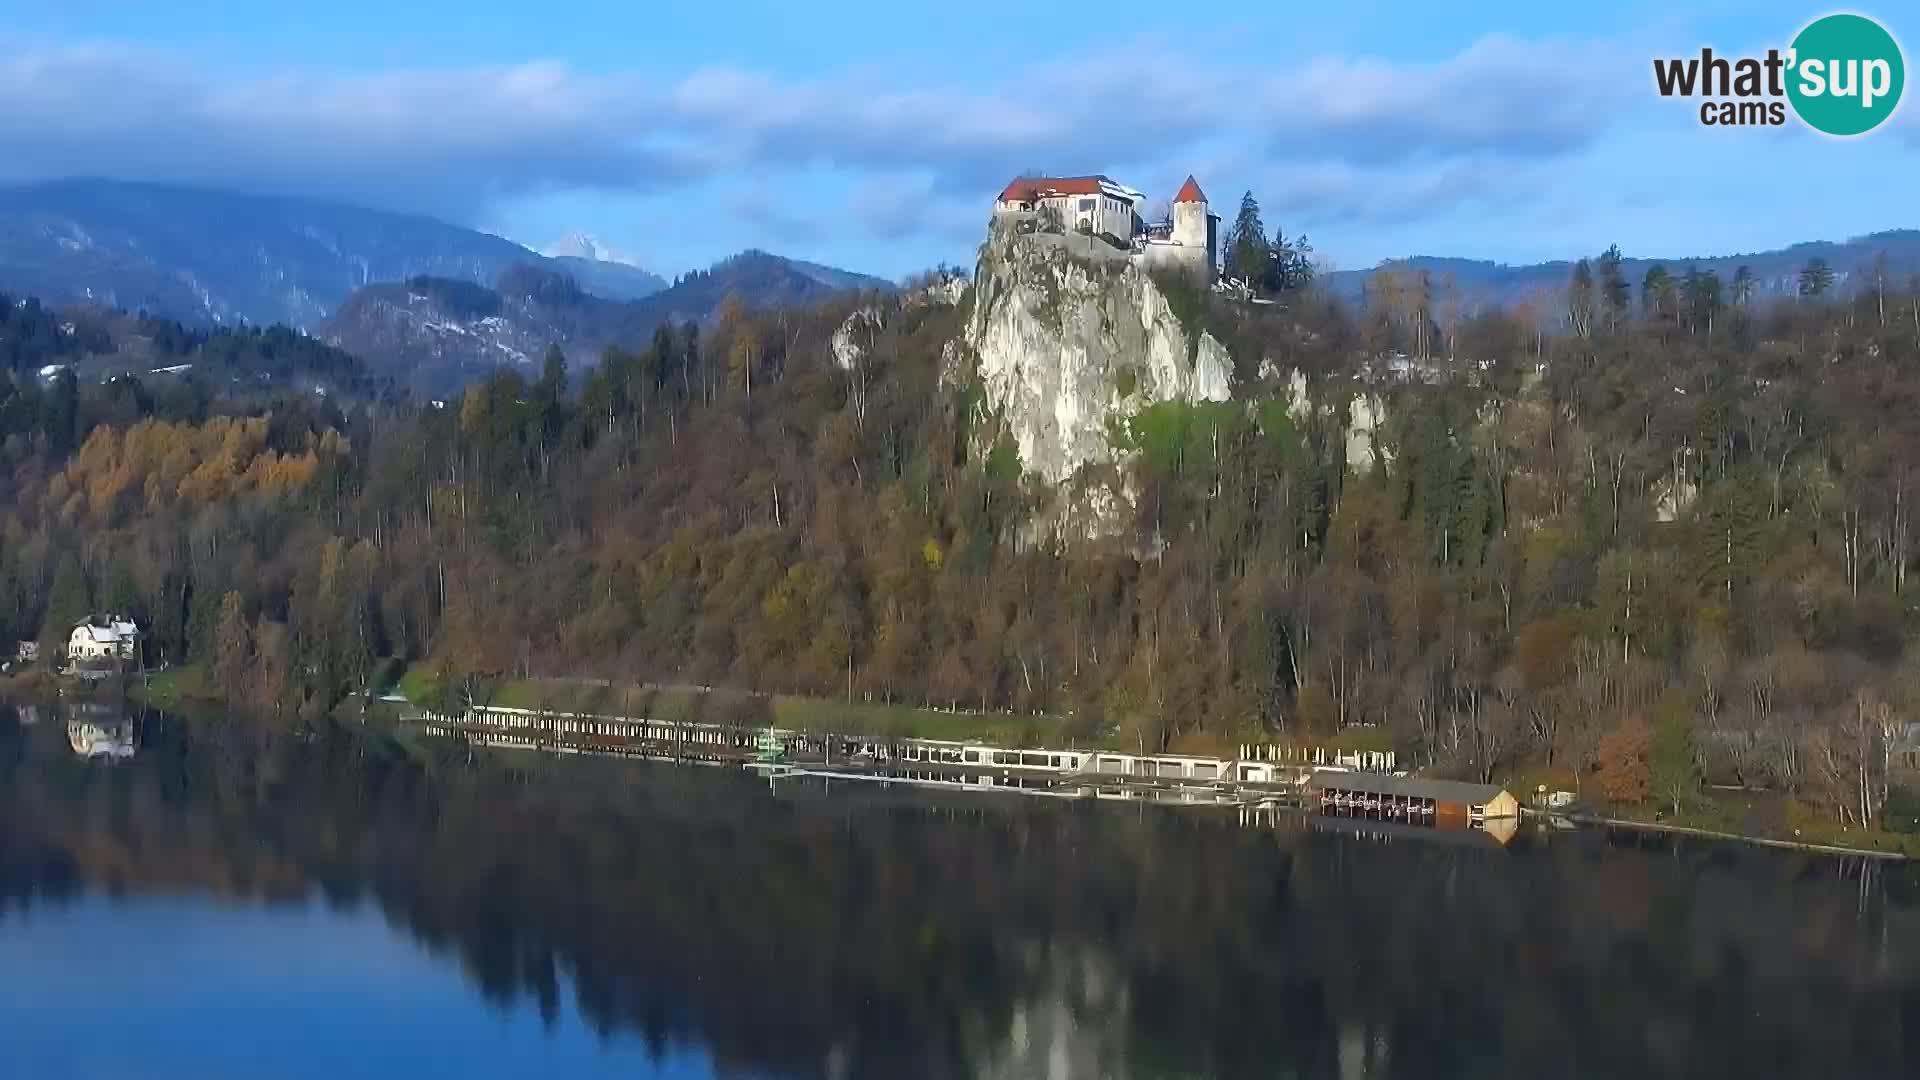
pixel 1070 336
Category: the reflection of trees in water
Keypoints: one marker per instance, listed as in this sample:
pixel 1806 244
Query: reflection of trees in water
pixel 889 935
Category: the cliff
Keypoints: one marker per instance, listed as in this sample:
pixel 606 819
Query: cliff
pixel 1070 338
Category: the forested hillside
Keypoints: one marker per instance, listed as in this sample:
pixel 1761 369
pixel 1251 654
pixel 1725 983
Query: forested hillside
pixel 1854 264
pixel 1654 543
pixel 435 335
pixel 65 370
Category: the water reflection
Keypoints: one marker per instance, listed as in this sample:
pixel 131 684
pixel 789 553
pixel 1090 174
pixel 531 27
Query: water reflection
pixel 872 932
pixel 1495 833
pixel 102 732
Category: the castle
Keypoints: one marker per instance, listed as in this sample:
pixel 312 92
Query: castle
pixel 1096 205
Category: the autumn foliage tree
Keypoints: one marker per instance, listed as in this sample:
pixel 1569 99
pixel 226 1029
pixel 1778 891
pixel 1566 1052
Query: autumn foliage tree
pixel 1625 759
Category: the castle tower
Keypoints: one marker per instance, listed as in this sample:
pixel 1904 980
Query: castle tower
pixel 1193 226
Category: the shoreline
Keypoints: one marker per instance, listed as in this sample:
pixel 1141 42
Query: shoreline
pixel 1592 820
pixel 141 694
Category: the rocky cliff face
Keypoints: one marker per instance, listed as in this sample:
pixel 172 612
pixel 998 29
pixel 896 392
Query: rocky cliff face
pixel 1069 337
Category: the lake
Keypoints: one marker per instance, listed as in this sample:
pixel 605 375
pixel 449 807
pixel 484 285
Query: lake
pixel 195 900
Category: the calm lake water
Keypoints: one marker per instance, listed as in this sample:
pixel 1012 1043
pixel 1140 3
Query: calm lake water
pixel 181 900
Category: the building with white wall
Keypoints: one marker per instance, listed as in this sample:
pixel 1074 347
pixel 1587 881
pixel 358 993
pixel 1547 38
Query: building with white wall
pixel 1187 240
pixel 114 639
pixel 1089 204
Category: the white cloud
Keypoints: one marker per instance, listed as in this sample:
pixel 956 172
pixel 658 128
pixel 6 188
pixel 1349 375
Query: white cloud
pixel 452 141
pixel 445 141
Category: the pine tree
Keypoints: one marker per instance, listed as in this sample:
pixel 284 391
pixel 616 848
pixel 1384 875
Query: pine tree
pixel 123 596
pixel 1657 293
pixel 1729 542
pixel 232 647
pixel 1247 248
pixel 1816 277
pixel 1743 286
pixel 68 602
pixel 1615 293
pixel 1289 263
pixel 1702 295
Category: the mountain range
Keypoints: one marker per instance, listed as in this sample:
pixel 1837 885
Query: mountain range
pixel 429 304
pixel 222 257
pixel 1776 272
pixel 599 270
pixel 434 333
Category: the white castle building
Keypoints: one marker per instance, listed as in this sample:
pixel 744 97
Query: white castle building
pixel 1097 205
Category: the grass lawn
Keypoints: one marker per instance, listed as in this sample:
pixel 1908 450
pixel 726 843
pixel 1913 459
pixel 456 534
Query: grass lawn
pixel 689 703
pixel 1770 816
pixel 819 714
pixel 416 684
pixel 169 688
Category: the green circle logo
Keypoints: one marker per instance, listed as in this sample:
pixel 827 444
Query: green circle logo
pixel 1846 74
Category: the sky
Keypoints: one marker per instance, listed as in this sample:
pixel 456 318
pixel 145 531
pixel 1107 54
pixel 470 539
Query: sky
pixel 873 136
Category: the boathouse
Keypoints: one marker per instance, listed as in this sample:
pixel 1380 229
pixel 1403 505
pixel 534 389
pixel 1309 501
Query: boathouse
pixel 1416 800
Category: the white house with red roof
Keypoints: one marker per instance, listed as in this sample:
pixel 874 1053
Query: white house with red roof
pixel 1090 204
pixel 1097 205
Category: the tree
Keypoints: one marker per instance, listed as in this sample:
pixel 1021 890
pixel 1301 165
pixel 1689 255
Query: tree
pixel 550 398
pixel 68 603
pixel 1289 264
pixel 123 595
pixel 740 358
pixel 1877 274
pixel 63 412
pixel 1731 536
pixel 1248 253
pixel 273 668
pixel 1625 757
pixel 1580 300
pixel 1657 294
pixel 1675 778
pixel 1702 295
pixel 1816 277
pixel 1743 286
pixel 1615 293
pixel 233 647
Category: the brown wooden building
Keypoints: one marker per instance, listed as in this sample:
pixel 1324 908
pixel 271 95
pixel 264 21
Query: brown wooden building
pixel 1410 799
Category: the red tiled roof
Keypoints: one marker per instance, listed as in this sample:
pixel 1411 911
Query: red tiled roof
pixel 1190 192
pixel 1028 188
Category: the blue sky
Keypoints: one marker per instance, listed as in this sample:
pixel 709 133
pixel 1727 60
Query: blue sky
pixel 873 136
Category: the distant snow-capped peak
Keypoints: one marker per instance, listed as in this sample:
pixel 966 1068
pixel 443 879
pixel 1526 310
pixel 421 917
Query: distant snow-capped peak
pixel 580 245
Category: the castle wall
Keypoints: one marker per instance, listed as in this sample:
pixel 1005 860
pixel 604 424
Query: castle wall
pixel 1190 223
pixel 1194 228
pixel 1162 255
